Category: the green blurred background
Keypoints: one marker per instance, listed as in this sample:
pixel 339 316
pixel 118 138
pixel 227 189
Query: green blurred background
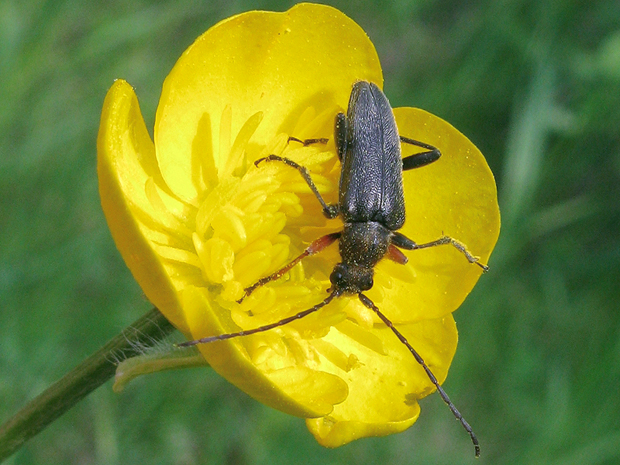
pixel 534 83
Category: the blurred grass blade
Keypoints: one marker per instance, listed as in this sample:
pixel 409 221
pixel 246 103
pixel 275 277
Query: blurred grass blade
pixel 527 142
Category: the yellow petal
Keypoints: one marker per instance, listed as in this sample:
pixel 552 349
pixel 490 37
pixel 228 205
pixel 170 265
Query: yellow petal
pixel 455 196
pixel 296 390
pixel 331 433
pixel 125 164
pixel 275 63
pixel 384 389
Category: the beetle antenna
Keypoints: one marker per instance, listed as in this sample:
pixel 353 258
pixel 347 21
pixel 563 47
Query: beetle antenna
pixel 260 329
pixel 368 303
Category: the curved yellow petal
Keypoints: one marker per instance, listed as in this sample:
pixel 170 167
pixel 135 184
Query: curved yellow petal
pixel 296 390
pixel 454 196
pixel 276 63
pixel 125 164
pixel 330 433
pixel 384 389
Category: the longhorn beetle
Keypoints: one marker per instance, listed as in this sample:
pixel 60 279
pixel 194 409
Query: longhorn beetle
pixel 371 204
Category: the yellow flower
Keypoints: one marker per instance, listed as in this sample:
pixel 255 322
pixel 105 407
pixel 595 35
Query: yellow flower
pixel 197 222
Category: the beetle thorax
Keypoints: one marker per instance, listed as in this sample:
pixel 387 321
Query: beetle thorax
pixel 362 245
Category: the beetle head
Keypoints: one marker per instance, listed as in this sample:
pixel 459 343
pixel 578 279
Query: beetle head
pixel 351 278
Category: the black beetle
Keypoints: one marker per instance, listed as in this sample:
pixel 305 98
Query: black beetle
pixel 371 204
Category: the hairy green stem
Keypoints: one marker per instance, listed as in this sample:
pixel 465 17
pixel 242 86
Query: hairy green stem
pixel 81 381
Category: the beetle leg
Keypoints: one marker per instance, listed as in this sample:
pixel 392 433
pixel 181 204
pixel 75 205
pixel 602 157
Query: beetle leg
pixel 340 134
pixel 306 142
pixel 312 249
pixel 419 159
pixel 394 254
pixel 330 211
pixel 402 241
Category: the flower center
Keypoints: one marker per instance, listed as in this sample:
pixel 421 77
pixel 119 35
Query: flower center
pixel 253 222
pixel 249 222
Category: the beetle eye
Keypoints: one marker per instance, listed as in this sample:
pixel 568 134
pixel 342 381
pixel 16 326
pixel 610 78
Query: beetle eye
pixel 337 276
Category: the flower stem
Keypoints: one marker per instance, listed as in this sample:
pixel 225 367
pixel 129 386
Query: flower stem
pixel 81 381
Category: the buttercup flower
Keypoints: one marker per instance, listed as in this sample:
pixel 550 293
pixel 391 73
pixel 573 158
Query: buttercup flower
pixel 197 222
